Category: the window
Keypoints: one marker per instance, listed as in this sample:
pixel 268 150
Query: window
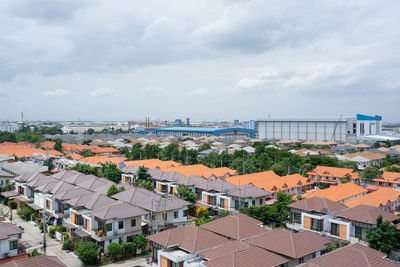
pixel 13 244
pixel 176 214
pixel 301 260
pixel 120 224
pixel 313 256
pixel 261 202
pixel 360 233
pixel 165 216
pixel 296 218
pixel 109 227
pixel 185 213
pixel 254 203
pixel 335 229
pixel 316 225
pixel 133 222
pixel 222 203
pixel 174 264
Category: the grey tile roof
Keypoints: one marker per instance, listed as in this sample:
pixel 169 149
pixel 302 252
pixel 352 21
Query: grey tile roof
pixel 118 210
pixel 91 201
pixel 143 198
pixel 8 229
pixel 248 191
pixel 20 167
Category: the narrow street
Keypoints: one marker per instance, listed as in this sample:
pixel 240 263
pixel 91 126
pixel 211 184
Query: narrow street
pixel 34 238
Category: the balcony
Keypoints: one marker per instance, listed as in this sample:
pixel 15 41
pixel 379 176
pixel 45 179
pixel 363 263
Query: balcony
pixel 99 233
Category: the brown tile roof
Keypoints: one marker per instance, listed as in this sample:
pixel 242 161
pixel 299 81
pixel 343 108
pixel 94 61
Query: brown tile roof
pixel 293 245
pixel 8 229
pixel 366 214
pixel 225 249
pixel 238 226
pixel 377 198
pixel 249 257
pixel 366 154
pixel 354 255
pixel 318 204
pixel 338 193
pixel 189 238
pixel 72 193
pixel 48 261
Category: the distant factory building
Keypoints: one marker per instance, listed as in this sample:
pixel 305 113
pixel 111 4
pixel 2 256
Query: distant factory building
pixel 197 132
pixel 339 129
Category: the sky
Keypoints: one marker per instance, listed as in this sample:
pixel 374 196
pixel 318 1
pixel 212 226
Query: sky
pixel 208 60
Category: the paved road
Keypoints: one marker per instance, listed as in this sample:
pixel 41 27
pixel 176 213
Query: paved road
pixel 34 238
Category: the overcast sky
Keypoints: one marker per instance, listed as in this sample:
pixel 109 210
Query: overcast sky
pixel 207 60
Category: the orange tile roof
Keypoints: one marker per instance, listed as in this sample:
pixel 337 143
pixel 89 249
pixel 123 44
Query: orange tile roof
pixel 48 144
pixel 378 198
pixel 200 170
pixel 75 156
pixel 102 159
pixel 74 147
pixel 269 181
pixel 391 177
pixel 96 149
pixel 333 172
pixel 338 193
pixel 152 163
pixel 23 150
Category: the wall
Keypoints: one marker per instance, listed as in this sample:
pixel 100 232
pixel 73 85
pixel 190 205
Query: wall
pixel 5 246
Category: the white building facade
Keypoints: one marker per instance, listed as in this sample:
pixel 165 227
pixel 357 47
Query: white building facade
pixel 340 129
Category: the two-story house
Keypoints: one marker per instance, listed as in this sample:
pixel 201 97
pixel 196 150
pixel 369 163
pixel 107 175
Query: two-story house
pixel 10 240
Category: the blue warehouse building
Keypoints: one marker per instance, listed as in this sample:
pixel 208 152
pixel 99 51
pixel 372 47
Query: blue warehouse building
pixel 197 132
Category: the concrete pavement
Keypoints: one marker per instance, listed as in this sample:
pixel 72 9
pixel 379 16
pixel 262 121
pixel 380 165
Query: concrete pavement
pixel 34 238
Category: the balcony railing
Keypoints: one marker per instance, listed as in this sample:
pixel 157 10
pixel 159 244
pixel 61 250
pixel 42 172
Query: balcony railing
pixel 99 233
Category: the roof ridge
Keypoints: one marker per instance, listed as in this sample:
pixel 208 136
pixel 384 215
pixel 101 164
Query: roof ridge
pixel 195 239
pixel 292 242
pixel 365 257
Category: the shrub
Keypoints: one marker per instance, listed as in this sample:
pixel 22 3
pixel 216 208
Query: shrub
pixel 68 245
pixel 61 228
pixel 41 226
pixel 34 253
pixel 88 253
pixel 115 249
pixel 140 242
pixel 129 248
pixel 12 204
pixel 52 231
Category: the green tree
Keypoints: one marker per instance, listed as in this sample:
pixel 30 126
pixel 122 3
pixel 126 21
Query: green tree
pixel 88 253
pixel 85 168
pixel 346 178
pixel 90 131
pixel 49 163
pixel 152 151
pixel 115 249
pixel 140 242
pixel 204 146
pixel 112 190
pixel 383 236
pixel 58 144
pixel 86 142
pixel 87 153
pixel 277 213
pixel 121 189
pixel 110 171
pixel 370 173
pixel 184 193
pixel 136 152
pixel 280 169
pixel 170 152
pixel 129 248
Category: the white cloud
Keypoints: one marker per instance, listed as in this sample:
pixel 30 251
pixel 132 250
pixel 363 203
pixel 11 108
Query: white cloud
pixel 199 91
pixel 104 91
pixel 57 92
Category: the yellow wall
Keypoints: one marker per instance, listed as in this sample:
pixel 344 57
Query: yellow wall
pixel 343 231
pixel 164 262
pixel 307 222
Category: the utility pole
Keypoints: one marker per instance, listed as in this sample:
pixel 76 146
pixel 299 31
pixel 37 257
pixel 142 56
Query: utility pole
pixel 44 232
